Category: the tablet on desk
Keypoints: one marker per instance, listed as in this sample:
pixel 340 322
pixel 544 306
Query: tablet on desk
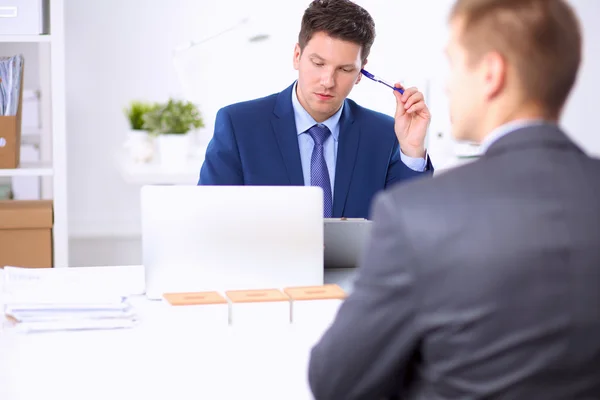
pixel 345 241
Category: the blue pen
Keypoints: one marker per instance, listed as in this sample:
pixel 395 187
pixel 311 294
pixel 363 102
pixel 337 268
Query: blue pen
pixel 376 79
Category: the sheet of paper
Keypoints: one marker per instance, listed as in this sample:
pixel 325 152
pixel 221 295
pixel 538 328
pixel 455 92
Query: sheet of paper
pixel 344 219
pixel 120 281
pixel 74 325
pixel 28 315
pixel 38 300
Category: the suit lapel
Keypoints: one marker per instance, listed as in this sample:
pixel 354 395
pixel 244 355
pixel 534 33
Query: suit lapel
pixel 284 126
pixel 349 140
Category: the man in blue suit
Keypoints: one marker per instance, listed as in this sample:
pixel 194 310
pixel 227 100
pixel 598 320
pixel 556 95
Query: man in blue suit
pixel 311 134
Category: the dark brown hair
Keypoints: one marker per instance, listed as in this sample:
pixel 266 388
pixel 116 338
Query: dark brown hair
pixel 540 39
pixel 340 19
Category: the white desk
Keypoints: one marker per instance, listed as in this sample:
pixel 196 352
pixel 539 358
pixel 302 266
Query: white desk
pixel 154 361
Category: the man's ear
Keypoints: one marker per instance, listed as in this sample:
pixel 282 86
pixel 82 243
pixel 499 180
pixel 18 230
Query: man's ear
pixel 494 70
pixel 297 55
pixel 360 73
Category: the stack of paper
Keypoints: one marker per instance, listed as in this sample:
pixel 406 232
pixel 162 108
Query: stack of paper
pixel 10 84
pixel 35 305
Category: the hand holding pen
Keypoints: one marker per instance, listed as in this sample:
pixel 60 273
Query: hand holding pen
pixel 412 117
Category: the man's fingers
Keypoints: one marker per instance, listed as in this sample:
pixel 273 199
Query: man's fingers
pixel 414 99
pixel 416 108
pixel 398 97
pixel 400 110
pixel 410 101
pixel 409 92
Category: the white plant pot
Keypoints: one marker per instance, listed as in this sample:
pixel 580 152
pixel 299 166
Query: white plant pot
pixel 139 146
pixel 173 149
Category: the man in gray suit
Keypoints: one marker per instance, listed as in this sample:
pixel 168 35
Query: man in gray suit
pixel 484 282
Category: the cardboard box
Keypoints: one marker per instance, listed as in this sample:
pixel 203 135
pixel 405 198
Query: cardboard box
pixel 10 134
pixel 26 233
pixel 10 142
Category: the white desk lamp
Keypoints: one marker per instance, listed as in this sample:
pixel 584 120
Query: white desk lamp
pixel 255 36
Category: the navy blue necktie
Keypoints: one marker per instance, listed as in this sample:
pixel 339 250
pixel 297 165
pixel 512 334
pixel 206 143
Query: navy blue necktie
pixel 319 175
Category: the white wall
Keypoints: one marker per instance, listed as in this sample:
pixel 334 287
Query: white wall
pixel 116 51
pixel 580 118
pixel 121 50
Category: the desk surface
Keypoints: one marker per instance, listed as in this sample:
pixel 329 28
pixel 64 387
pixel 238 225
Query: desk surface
pixel 154 361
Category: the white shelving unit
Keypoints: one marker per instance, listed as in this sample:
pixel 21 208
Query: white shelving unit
pixel 52 137
pixel 28 170
pixel 26 38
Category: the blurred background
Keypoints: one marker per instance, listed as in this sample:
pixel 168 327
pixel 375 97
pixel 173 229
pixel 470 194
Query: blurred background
pixel 99 57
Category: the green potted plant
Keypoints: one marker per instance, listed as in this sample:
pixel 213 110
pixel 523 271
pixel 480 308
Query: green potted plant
pixel 138 143
pixel 171 124
pixel 135 113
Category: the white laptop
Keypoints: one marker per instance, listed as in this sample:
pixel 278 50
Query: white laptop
pixel 206 238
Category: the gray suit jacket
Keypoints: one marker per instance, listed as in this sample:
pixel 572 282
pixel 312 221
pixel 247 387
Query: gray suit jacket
pixel 481 283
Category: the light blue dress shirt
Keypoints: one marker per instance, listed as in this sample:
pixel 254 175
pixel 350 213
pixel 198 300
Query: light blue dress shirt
pixel 507 128
pixel 304 122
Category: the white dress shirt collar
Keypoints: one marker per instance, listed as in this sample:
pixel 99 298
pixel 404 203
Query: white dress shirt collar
pixel 508 128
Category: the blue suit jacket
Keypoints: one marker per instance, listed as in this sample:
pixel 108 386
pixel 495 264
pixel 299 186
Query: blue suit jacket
pixel 256 143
